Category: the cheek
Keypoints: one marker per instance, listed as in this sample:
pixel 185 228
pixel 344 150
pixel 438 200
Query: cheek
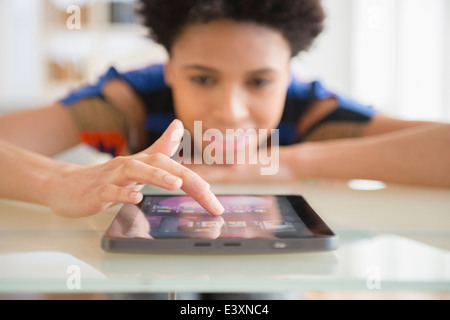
pixel 188 106
pixel 268 106
pixel 267 112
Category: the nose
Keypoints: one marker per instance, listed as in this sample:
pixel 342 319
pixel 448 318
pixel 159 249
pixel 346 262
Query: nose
pixel 231 106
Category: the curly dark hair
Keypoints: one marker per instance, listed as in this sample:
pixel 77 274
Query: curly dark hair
pixel 299 21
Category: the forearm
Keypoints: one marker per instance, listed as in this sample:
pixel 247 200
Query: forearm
pixel 412 156
pixel 26 175
pixel 46 131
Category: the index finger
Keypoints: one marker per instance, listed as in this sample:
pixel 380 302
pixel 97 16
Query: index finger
pixel 203 195
pixel 193 184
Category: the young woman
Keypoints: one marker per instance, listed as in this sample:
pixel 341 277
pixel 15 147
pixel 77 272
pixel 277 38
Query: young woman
pixel 228 67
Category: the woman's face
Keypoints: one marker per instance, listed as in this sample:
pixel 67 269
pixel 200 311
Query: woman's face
pixel 229 75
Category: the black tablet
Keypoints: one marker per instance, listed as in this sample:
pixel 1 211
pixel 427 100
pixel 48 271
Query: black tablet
pixel 250 224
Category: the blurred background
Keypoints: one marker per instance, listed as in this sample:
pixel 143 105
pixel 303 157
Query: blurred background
pixel 391 54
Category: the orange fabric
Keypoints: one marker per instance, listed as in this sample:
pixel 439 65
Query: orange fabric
pixel 111 142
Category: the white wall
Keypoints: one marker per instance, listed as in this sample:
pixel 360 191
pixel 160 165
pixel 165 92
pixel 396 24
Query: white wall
pixel 329 58
pixel 373 67
pixel 21 69
pixel 391 54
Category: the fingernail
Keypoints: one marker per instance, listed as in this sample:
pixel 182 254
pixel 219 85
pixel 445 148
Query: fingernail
pixel 200 184
pixel 169 179
pixel 217 206
pixel 135 195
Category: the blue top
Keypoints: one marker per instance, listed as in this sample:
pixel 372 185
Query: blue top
pixel 149 85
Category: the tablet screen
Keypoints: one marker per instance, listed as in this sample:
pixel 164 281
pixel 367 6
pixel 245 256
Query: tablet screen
pixel 174 217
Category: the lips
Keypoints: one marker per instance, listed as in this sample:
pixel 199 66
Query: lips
pixel 230 143
pixel 236 141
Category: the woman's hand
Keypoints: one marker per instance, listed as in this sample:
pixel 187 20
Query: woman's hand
pixel 84 191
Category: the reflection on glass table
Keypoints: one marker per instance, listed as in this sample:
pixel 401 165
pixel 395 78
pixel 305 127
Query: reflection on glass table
pixel 391 238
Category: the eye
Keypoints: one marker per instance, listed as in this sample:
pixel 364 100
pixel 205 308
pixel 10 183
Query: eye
pixel 203 80
pixel 259 82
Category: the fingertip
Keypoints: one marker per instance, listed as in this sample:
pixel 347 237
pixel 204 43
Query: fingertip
pixel 173 182
pixel 175 125
pixel 177 122
pixel 177 185
pixel 136 196
pixel 217 207
pixel 173 187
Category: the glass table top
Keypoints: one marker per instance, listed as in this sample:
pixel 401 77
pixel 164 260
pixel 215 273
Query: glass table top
pixel 391 238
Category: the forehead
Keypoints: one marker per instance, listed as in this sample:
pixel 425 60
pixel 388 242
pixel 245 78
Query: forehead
pixel 226 43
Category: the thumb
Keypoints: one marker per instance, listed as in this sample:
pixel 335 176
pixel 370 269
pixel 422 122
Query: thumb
pixel 169 141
